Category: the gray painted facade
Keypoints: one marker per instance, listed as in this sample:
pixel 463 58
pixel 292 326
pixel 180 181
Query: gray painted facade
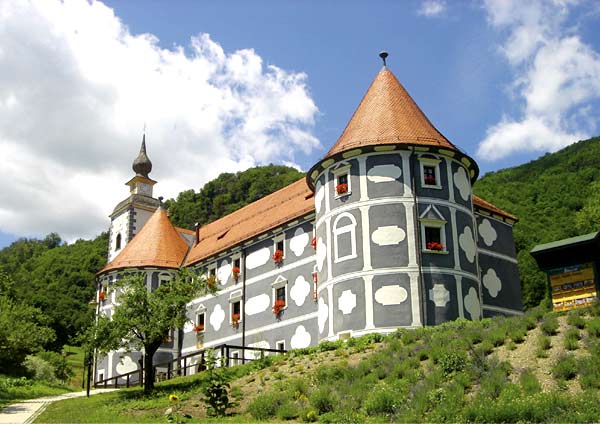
pixel 371 271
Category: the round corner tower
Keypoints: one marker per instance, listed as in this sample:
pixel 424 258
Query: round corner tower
pixel 394 222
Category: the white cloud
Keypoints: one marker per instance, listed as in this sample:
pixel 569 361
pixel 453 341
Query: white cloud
pixel 556 78
pixel 432 8
pixel 76 88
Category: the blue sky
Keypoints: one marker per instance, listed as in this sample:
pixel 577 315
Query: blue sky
pixel 506 81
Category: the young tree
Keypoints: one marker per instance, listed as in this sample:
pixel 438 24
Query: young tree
pixel 143 318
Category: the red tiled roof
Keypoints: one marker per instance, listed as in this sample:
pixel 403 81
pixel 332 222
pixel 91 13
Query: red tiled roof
pixel 262 215
pixel 483 204
pixel 388 115
pixel 157 244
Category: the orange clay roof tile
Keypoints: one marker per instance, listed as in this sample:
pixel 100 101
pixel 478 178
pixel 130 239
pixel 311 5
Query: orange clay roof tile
pixel 256 218
pixel 483 204
pixel 388 115
pixel 157 244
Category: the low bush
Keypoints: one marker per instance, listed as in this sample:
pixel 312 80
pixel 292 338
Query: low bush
pixel 517 334
pixel 571 341
pixel 383 400
pixel 452 362
pixel 529 383
pixel 589 372
pixel 322 400
pixel 40 370
pixel 496 336
pixel 265 406
pixel 550 325
pixel 576 320
pixel 593 327
pixel 565 367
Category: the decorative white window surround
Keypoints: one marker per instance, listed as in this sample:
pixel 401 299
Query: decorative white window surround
pixel 280 239
pixel 201 313
pixel 337 231
pixel 212 270
pixel 439 222
pixel 237 257
pixel 342 169
pixel 435 163
pixel 280 344
pixel 234 297
pixel 277 284
pixel 164 277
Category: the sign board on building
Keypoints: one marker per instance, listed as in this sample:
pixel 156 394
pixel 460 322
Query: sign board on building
pixel 573 287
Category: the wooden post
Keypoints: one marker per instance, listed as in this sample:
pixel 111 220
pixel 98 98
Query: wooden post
pixel 127 380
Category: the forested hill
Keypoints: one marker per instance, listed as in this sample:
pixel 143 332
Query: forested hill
pixel 555 197
pixel 228 193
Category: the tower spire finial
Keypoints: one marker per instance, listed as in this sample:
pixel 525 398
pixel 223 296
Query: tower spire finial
pixel 142 165
pixel 383 55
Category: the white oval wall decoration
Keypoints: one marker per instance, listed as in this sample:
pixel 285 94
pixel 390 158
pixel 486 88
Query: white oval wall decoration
pixel 391 295
pixel 439 295
pixel 301 338
pixel 217 317
pixel 467 244
pixel 384 173
pixel 461 181
pixel 258 258
pixel 299 242
pixel 388 235
pixel 126 364
pixel 257 304
pixel 487 232
pixel 472 305
pixel 300 290
pixel 224 272
pixel 322 314
pixel 321 253
pixel 347 302
pixel 492 283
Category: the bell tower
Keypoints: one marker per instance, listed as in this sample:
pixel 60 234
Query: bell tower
pixel 130 215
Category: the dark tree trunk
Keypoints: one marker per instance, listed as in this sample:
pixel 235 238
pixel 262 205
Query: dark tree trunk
pixel 149 352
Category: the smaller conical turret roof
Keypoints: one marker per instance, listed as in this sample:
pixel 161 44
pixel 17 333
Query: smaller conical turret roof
pixel 388 115
pixel 158 244
pixel 142 165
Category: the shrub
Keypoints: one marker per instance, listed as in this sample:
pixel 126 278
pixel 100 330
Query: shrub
pixel 571 339
pixel 544 342
pixel 517 334
pixel 550 325
pixel 382 401
pixel 452 362
pixel 589 373
pixel 565 367
pixel 576 320
pixel 593 327
pixel 62 370
pixel 40 369
pixel 529 383
pixel 342 417
pixel 322 400
pixel 265 406
pixel 288 411
pixel 497 336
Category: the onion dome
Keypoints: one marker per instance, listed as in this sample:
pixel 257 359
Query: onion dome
pixel 142 165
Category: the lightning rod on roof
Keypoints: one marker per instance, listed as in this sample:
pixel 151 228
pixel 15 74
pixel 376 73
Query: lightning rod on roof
pixel 383 55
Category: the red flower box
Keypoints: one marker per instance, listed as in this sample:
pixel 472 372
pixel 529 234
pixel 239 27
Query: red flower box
pixel 235 320
pixel 430 180
pixel 211 282
pixel 341 188
pixel 235 272
pixel 434 245
pixel 278 307
pixel 101 296
pixel 278 256
pixel 198 328
pixel 314 243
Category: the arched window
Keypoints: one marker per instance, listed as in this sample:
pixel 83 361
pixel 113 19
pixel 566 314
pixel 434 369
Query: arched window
pixel 344 237
pixel 118 242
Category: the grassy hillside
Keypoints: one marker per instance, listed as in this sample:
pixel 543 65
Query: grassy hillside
pixel 555 197
pixel 536 368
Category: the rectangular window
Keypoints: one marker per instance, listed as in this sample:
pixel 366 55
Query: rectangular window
pixel 429 175
pixel 280 294
pixel 280 245
pixel 236 313
pixel 235 358
pixel 342 187
pixel 280 345
pixel 433 238
pixel 237 263
pixel 200 317
pixel 279 249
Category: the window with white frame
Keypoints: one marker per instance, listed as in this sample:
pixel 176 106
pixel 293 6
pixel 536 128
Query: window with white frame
pixel 236 268
pixel 433 233
pixel 344 237
pixel 279 248
pixel 235 358
pixel 342 180
pixel 199 327
pixel 118 242
pixel 280 345
pixel 235 308
pixel 430 172
pixel 279 295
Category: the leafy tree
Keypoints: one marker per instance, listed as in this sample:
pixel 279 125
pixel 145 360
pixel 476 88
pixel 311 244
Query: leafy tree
pixel 587 220
pixel 143 317
pixel 22 331
pixel 228 193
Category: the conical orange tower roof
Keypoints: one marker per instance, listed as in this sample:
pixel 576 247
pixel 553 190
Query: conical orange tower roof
pixel 387 114
pixel 157 244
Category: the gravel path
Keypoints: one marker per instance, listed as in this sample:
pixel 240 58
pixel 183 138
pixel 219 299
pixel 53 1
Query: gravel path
pixel 26 411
